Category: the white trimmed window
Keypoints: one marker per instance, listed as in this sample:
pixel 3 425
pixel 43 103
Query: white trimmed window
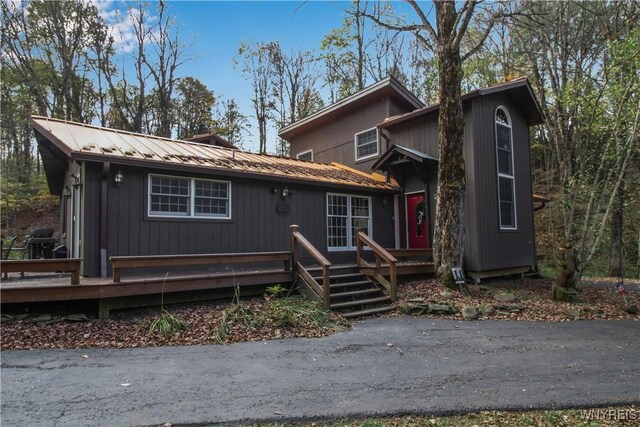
pixel 506 175
pixel 345 215
pixel 172 196
pixel 366 144
pixel 305 155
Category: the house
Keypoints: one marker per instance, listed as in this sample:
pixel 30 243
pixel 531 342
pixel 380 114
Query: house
pixel 128 194
pixel 367 162
pixel 386 129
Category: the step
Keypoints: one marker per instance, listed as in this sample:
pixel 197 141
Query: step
pixel 339 276
pixel 355 293
pixel 368 311
pixel 349 284
pixel 360 302
pixel 336 267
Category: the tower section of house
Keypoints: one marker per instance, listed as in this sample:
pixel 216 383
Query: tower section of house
pixel 499 233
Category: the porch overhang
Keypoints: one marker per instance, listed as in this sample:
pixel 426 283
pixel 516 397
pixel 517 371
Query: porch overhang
pixel 397 155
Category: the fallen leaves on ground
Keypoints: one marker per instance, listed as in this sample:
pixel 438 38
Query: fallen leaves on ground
pixel 533 296
pixel 595 417
pixel 130 328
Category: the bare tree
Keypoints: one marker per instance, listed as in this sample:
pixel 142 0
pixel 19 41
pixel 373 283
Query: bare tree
pixel 445 41
pixel 257 67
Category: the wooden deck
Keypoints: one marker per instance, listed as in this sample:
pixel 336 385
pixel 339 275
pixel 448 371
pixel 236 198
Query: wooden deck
pixel 36 281
pixel 38 288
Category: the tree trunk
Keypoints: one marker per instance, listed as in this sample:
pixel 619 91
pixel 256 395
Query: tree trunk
pixel 449 232
pixel 615 256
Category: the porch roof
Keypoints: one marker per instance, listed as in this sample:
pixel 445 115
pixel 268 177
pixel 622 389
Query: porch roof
pixel 397 154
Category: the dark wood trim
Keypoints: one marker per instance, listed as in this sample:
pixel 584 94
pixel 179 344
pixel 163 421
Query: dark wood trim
pixel 380 255
pixel 71 265
pixel 120 262
pixel 298 240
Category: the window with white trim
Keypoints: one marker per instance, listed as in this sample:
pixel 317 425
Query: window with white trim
pixel 506 176
pixel 366 144
pixel 345 215
pixel 305 155
pixel 172 196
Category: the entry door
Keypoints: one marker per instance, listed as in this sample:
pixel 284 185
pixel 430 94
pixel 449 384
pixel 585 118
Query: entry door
pixel 417 221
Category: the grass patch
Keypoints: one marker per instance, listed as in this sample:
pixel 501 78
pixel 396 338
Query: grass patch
pixel 239 313
pixel 276 316
pixel 167 324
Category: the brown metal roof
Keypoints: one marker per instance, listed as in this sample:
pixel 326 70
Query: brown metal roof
pixel 523 97
pixel 85 142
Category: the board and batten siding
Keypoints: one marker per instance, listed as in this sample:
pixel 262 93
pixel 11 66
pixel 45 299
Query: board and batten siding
pixel 334 142
pixel 254 225
pixel 486 247
pixel 500 249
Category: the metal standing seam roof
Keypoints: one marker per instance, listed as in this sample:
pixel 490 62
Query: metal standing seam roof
pixel 86 142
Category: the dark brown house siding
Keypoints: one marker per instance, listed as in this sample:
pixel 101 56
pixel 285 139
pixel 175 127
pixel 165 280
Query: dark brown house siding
pixel 497 249
pixel 254 225
pixel 486 247
pixel 334 142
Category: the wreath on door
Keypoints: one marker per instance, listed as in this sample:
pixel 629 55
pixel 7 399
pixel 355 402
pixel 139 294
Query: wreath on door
pixel 420 216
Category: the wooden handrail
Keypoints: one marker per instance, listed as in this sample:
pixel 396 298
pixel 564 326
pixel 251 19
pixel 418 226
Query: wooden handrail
pixel 71 265
pixel 297 239
pixel 120 262
pixel 380 254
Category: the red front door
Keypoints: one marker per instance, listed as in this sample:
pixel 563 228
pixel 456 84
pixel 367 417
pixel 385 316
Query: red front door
pixel 417 221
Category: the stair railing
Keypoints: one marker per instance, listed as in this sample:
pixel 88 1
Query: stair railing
pixel 322 291
pixel 380 255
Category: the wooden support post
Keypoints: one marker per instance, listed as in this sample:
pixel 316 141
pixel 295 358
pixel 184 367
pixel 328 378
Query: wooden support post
pixel 358 248
pixel 393 278
pixel 294 248
pixel 116 273
pixel 103 309
pixel 326 288
pixel 75 277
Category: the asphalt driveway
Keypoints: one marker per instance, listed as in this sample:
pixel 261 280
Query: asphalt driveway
pixel 382 366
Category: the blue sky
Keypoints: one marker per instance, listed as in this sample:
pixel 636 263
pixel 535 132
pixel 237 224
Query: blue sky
pixel 215 29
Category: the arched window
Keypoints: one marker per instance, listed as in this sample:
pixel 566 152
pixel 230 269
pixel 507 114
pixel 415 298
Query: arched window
pixel 506 174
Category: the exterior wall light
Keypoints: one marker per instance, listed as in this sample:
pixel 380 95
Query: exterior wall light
pixel 75 180
pixel 118 178
pixel 285 192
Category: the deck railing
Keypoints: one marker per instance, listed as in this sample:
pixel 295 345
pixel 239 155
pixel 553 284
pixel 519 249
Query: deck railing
pixel 68 265
pixel 160 261
pixel 321 290
pixel 380 255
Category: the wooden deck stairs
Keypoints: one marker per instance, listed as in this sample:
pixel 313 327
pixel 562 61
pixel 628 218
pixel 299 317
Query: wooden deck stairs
pixel 352 293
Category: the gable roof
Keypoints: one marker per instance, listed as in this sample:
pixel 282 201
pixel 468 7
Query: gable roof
pixel 389 86
pixel 91 143
pixel 518 90
pixel 397 153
